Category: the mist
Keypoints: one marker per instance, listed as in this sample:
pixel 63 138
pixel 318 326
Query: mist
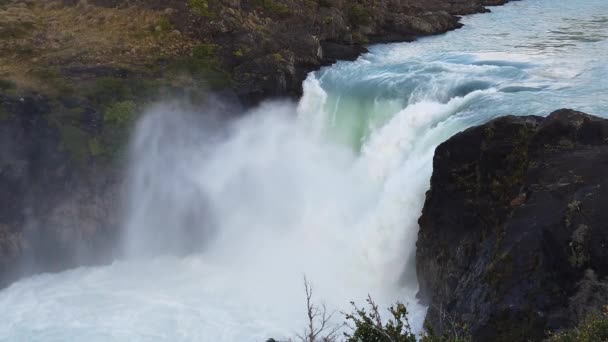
pixel 270 196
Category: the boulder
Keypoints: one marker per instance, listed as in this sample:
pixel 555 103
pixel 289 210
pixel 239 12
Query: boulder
pixel 513 237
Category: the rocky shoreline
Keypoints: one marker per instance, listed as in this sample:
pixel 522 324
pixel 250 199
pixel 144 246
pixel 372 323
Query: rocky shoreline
pixel 513 234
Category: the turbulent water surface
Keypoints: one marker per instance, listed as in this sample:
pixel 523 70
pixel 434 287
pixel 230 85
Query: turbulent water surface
pixel 222 222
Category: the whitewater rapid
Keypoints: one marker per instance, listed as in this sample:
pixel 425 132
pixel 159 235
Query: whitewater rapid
pixel 223 219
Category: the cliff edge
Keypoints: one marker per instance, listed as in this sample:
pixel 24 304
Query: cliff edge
pixel 514 232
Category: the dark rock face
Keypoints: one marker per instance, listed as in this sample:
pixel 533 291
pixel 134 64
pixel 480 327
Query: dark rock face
pixel 513 237
pixel 52 216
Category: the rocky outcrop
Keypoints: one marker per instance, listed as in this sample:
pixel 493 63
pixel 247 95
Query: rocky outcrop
pixel 53 215
pixel 270 46
pixel 513 237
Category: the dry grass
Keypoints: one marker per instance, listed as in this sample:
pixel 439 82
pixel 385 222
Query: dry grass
pixel 43 35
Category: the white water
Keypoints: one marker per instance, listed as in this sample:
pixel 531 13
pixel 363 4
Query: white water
pixel 330 187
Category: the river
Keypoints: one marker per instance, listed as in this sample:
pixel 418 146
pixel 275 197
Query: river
pixel 330 187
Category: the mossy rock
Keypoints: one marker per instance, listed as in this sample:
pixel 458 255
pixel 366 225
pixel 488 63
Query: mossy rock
pixel 120 113
pixel 4 115
pixel 204 66
pixel 75 142
pixel 202 7
pixel 7 85
pixel 273 7
pixel 96 147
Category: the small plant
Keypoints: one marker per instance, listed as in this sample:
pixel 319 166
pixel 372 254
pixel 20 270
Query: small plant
pixel 594 329
pixel 368 325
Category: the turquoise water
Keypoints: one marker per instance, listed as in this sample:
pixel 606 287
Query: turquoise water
pixel 330 187
pixel 536 56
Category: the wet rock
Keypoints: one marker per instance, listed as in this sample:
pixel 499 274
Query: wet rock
pixel 513 236
pixel 53 215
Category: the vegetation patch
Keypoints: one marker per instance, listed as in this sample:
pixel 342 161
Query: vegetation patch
pixel 4 115
pixel 120 113
pixel 7 85
pixel 204 67
pixel 96 147
pixel 202 7
pixel 358 15
pixel 273 7
pixel 594 329
pixel 368 325
pixel 74 141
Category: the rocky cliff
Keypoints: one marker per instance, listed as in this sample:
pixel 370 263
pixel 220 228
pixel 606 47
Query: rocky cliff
pixel 514 234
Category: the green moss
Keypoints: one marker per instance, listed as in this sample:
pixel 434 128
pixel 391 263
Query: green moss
pixel 201 7
pixel 517 165
pixel 205 51
pixel 15 28
pixel 96 147
pixel 360 38
pixel 4 115
pixel 165 25
pixel 74 141
pixel 108 89
pixel 162 27
pixel 54 80
pixel 7 85
pixel 204 67
pixel 120 113
pixel 500 268
pixel 239 53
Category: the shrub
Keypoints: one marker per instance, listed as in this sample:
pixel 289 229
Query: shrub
pixel 594 329
pixel 358 15
pixel 368 326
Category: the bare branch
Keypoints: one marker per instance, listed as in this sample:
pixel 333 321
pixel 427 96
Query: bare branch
pixel 319 327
